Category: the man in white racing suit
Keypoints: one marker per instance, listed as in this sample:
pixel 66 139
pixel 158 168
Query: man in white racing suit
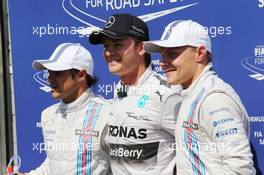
pixel 74 127
pixel 142 116
pixel 211 129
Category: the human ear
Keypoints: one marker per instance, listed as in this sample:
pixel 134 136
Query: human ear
pixel 82 74
pixel 141 48
pixel 200 53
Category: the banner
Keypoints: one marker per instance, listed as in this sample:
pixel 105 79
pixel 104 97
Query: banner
pixel 37 27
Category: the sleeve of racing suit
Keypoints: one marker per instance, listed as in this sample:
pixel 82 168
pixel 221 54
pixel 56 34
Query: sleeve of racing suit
pixel 104 116
pixel 43 169
pixel 225 123
pixel 169 113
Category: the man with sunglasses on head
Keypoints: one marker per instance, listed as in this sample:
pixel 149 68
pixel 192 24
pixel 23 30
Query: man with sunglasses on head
pixel 144 109
pixel 211 128
pixel 74 127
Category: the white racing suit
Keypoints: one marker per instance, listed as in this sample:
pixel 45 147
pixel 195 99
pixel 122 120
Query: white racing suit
pixel 72 134
pixel 211 130
pixel 142 126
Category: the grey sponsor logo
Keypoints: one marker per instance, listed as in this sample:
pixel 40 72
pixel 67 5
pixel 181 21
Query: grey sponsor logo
pixel 219 110
pixel 137 117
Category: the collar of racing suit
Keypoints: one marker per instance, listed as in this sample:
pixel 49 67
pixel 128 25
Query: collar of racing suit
pixel 208 70
pixel 148 72
pixel 142 79
pixel 78 103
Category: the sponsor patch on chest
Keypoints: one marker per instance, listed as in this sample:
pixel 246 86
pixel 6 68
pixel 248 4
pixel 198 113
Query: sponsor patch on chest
pixel 83 132
pixel 187 124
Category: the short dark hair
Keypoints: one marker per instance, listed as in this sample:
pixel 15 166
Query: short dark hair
pixel 89 79
pixel 208 54
pixel 147 59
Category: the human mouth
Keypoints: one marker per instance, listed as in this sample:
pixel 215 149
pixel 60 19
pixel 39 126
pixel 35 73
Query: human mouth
pixel 113 60
pixel 53 87
pixel 169 70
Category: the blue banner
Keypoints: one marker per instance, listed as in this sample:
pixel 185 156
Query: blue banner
pixel 37 27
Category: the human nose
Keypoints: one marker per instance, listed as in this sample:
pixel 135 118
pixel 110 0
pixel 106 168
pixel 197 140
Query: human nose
pixel 108 52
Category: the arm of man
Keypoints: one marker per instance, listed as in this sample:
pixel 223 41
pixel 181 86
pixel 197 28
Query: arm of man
pixel 225 123
pixel 103 129
pixel 169 113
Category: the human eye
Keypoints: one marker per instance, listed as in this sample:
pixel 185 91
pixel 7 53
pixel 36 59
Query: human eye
pixel 119 45
pixel 173 54
pixel 58 73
